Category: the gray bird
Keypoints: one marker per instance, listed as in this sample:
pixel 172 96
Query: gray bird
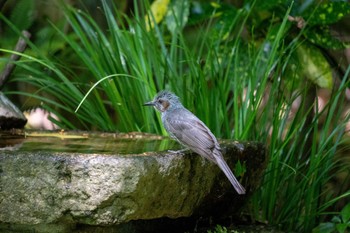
pixel 191 132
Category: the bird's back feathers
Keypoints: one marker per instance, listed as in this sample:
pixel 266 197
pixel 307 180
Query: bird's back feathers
pixel 194 134
pixel 190 132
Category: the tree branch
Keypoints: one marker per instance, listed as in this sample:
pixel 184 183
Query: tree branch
pixel 20 47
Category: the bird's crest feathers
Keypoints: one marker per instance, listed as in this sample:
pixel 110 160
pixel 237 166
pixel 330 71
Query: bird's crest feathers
pixel 167 95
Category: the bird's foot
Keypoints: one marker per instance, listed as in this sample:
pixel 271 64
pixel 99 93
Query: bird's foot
pixel 178 151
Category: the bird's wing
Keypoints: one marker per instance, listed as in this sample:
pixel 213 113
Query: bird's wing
pixel 193 133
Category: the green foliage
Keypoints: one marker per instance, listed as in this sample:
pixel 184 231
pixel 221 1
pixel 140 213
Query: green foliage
pixel 314 66
pixel 326 13
pixel 292 144
pixel 221 229
pixel 23 14
pixel 177 16
pixel 200 12
pixel 319 17
pixel 322 36
pixel 240 169
pixel 242 73
pixel 339 223
pixel 22 17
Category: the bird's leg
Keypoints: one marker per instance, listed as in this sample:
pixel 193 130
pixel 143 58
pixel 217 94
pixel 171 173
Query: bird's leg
pixel 178 151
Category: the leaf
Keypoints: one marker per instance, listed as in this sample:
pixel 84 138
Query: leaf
pixel 323 37
pixel 177 15
pixel 345 213
pixel 158 10
pixel 314 66
pixel 336 219
pixel 326 227
pixel 327 13
pixel 341 227
pixel 240 169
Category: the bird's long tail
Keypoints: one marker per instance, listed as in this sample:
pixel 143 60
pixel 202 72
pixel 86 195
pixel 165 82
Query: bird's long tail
pixel 226 169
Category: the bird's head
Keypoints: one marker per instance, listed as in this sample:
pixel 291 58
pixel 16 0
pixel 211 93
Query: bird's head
pixel 164 101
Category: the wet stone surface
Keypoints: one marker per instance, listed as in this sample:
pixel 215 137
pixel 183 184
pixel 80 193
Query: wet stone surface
pixel 78 182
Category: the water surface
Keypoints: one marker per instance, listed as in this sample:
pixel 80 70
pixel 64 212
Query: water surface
pixel 82 142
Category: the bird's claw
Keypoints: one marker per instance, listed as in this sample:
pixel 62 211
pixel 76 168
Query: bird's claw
pixel 177 151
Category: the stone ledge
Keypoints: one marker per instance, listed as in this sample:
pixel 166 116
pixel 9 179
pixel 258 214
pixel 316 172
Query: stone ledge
pixel 43 190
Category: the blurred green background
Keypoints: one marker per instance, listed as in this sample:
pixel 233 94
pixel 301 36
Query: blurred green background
pixel 271 71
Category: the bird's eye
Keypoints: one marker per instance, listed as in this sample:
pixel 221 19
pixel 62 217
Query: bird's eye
pixel 161 101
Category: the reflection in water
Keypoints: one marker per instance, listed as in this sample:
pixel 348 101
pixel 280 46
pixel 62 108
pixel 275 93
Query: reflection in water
pixel 106 144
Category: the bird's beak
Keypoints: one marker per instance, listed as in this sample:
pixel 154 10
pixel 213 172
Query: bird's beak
pixel 151 103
